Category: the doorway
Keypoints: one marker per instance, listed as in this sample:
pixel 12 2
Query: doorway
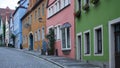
pixel 117 45
pixel 114 43
pixel 31 41
pixel 79 47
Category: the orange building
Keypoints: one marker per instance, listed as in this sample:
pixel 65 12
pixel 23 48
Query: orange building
pixel 34 25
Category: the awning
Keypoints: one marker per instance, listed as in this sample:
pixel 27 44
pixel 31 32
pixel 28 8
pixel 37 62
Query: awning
pixel 66 25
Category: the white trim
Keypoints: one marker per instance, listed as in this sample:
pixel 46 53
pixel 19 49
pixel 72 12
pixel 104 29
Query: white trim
pixel 78 47
pixel 65 40
pixel 111 42
pixel 58 37
pixel 95 28
pixel 88 31
pixel 54 4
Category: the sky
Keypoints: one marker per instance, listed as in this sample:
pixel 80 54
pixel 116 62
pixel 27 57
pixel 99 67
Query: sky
pixel 10 3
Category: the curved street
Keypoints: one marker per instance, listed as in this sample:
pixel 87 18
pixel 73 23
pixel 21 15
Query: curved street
pixel 11 58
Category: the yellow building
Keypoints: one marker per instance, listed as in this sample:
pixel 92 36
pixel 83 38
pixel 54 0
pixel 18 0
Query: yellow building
pixel 33 25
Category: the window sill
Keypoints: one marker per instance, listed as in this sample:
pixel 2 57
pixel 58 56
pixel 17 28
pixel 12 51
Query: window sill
pixel 98 54
pixel 66 51
pixel 86 54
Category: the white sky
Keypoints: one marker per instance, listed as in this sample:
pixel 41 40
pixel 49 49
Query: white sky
pixel 10 3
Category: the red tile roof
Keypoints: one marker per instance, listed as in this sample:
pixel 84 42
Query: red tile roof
pixel 5 12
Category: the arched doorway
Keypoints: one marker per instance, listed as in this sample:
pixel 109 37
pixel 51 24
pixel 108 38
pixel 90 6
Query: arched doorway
pixel 30 41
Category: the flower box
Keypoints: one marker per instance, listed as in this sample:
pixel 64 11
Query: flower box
pixel 94 1
pixel 85 7
pixel 78 13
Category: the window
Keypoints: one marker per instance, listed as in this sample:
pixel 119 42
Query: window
pixel 52 10
pixel 98 40
pixel 38 12
pixel 55 7
pixel 65 38
pixel 42 9
pixel 39 34
pixel 35 36
pixel 35 15
pixel 59 4
pixel 86 2
pixel 78 5
pixel 55 31
pixel 43 33
pixel 87 42
pixel 58 32
pixel 30 19
pixel 62 3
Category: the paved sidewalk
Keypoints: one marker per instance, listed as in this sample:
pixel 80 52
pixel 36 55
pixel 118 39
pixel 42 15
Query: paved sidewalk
pixel 63 62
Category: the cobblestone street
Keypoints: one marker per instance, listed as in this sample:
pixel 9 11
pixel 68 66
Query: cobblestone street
pixel 17 59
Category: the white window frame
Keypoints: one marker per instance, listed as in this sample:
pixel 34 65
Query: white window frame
pixel 66 40
pixel 95 40
pixel 55 32
pixel 39 33
pixel 88 31
pixel 43 33
pixel 58 30
pixel 86 2
pixel 35 36
pixel 56 8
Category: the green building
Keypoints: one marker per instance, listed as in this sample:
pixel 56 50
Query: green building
pixel 98 32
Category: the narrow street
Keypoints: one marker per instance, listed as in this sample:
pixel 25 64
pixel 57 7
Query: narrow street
pixel 10 58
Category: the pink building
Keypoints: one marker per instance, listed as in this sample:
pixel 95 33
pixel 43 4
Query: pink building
pixel 60 16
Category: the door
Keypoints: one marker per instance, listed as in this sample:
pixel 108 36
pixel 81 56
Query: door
pixel 79 45
pixel 117 46
pixel 31 42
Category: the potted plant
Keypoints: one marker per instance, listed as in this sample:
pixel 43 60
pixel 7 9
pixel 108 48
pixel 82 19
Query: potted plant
pixel 94 1
pixel 51 40
pixel 85 7
pixel 78 13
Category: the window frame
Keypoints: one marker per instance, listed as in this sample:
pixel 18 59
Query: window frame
pixel 95 40
pixel 39 34
pixel 35 35
pixel 85 2
pixel 43 33
pixel 85 48
pixel 65 39
pixel 56 8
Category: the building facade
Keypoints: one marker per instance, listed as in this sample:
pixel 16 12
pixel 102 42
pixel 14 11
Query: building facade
pixel 1 31
pixel 60 17
pixel 98 32
pixel 34 25
pixel 5 17
pixel 11 28
pixel 17 15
